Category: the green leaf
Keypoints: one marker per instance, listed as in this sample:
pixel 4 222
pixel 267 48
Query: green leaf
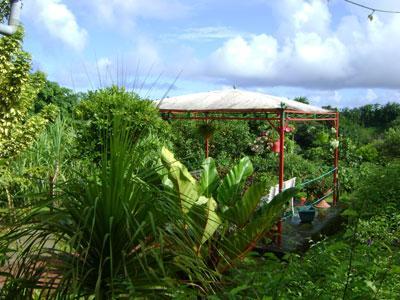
pixel 209 178
pixel 184 183
pixel 213 220
pixel 234 181
pixel 243 210
pixel 235 246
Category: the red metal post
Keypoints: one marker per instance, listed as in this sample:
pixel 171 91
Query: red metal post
pixel 281 166
pixel 336 164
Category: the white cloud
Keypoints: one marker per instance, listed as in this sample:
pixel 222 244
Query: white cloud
pixel 123 13
pixel 371 96
pixel 206 34
pixel 58 20
pixel 104 63
pixel 310 51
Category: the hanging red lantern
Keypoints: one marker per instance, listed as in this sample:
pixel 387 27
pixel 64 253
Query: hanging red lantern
pixel 276 147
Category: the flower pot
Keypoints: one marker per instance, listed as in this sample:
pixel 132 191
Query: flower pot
pixel 307 214
pixel 323 204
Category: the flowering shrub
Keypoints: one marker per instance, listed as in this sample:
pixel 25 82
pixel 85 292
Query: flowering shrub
pixel 263 143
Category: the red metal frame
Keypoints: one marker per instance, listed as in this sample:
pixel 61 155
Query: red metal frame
pixel 282 116
pixel 281 166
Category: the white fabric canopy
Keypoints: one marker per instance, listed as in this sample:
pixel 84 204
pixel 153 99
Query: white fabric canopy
pixel 233 100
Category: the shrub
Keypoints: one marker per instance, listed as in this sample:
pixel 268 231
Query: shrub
pixel 378 189
pixel 368 153
pixel 390 146
pixel 97 109
pixel 228 143
pixel 188 143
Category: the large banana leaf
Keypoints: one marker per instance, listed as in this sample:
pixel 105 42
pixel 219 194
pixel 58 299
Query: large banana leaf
pixel 233 183
pixel 213 220
pixel 209 180
pixel 184 183
pixel 244 209
pixel 237 245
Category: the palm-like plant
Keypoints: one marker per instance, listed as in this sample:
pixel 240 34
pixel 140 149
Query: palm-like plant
pixel 112 235
pixel 232 221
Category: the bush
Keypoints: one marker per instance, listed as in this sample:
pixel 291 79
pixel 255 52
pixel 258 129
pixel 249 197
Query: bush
pixel 229 142
pixel 377 190
pixel 390 146
pixel 368 153
pixel 97 109
pixel 188 143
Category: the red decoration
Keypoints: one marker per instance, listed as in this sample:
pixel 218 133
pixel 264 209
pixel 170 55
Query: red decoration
pixel 288 129
pixel 276 147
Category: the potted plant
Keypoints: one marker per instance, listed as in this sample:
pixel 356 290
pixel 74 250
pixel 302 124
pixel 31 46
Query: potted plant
pixel 318 190
pixel 206 130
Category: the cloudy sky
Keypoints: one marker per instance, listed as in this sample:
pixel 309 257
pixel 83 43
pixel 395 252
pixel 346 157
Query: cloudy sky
pixel 326 50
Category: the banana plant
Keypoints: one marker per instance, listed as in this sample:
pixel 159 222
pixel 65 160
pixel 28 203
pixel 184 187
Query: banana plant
pixel 226 221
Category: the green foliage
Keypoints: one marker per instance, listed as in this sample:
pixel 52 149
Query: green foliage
pixel 223 149
pixel 233 220
pixel 18 91
pixel 4 10
pixel 206 130
pixel 112 235
pixel 189 142
pixel 390 146
pixel 97 110
pixel 189 145
pixel 359 134
pixel 378 190
pixel 302 100
pixel 298 166
pixel 373 115
pixel 52 93
pixel 322 272
pixel 38 169
pixel 368 153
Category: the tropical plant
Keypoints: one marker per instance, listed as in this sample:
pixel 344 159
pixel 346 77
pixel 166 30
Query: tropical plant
pixel 112 235
pixel 232 220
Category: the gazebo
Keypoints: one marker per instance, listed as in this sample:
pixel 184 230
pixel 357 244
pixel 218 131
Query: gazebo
pixel 234 104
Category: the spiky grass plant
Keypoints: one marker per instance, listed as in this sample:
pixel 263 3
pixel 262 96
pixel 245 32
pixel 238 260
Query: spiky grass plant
pixel 113 234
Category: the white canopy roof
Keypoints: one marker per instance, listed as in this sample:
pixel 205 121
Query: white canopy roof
pixel 233 100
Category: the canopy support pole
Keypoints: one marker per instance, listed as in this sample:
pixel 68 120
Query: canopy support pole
pixel 281 166
pixel 336 164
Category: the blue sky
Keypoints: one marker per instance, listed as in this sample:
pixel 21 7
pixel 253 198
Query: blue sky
pixel 326 50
